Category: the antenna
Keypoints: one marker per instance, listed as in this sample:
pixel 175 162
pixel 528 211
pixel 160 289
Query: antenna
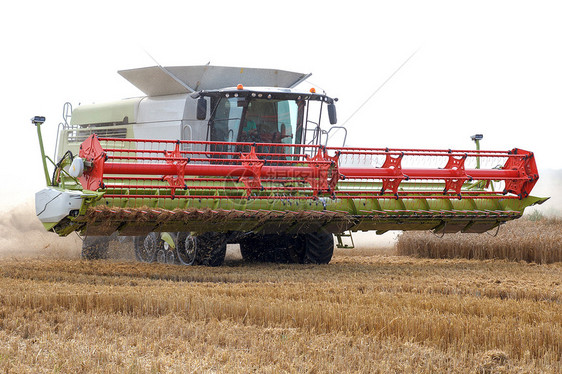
pixel 169 72
pixel 380 87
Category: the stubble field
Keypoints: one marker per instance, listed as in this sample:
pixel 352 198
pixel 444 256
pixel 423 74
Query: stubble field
pixel 363 312
pixel 369 310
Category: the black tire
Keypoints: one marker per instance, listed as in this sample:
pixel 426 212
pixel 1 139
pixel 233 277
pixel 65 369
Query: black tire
pixel 295 249
pixel 319 248
pixel 186 249
pixel 146 247
pixel 95 247
pixel 248 251
pixel 161 256
pixel 253 248
pixel 272 248
pixel 211 249
pixel 170 257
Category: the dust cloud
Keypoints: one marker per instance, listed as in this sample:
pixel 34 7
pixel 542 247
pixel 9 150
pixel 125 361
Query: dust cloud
pixel 370 242
pixel 549 185
pixel 23 235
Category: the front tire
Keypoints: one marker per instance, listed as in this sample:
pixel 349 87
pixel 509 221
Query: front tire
pixel 288 249
pixel 211 249
pixel 256 248
pixel 319 248
pixel 95 248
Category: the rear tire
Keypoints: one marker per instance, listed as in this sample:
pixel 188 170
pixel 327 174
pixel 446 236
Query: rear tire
pixel 170 257
pixel 161 256
pixel 146 247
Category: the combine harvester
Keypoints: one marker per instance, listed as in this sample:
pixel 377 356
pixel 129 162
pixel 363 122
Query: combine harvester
pixel 215 155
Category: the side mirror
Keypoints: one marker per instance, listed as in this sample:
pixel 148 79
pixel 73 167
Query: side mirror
pixel 201 108
pixel 332 115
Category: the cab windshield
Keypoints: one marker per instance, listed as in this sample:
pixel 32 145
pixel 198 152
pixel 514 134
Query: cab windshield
pixel 258 120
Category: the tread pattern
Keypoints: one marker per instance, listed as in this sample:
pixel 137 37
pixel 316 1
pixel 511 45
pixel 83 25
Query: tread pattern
pixel 95 247
pixel 319 248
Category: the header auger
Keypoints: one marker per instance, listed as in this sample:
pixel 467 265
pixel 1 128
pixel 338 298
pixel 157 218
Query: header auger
pixel 245 172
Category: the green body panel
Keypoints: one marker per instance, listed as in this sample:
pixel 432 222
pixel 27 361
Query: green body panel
pixel 43 156
pixel 122 111
pixel 49 225
pixel 167 238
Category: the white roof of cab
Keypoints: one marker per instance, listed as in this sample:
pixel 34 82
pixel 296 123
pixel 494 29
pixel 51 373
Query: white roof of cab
pixel 170 80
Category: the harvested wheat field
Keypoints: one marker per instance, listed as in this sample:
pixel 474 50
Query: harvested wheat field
pixel 364 312
pixel 367 311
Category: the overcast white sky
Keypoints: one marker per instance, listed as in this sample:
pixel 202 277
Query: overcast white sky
pixel 491 67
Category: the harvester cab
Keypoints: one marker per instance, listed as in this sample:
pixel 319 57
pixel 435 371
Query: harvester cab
pixel 264 116
pixel 215 155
